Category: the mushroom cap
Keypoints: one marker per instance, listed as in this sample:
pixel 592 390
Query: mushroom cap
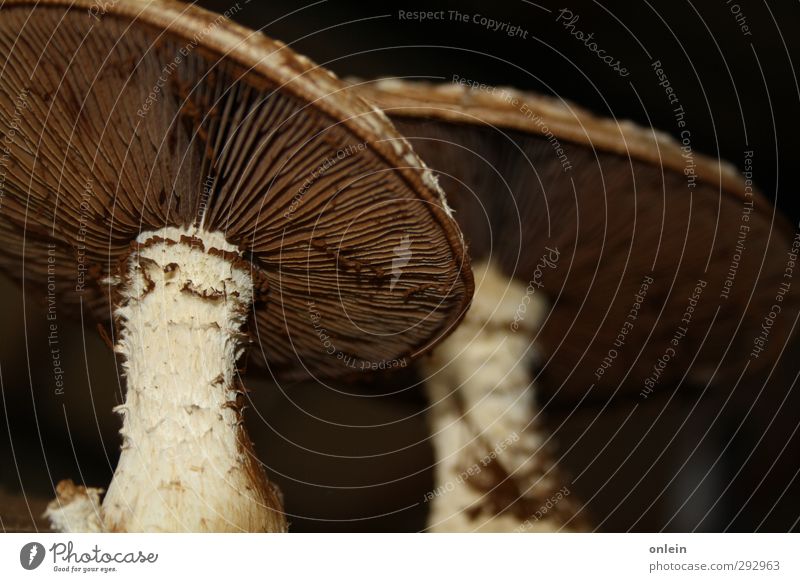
pixel 620 204
pixel 130 116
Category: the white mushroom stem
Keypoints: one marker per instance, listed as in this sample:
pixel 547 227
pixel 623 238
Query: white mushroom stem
pixel 186 461
pixel 494 468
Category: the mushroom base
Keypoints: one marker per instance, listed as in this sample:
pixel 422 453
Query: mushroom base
pixel 494 466
pixel 187 464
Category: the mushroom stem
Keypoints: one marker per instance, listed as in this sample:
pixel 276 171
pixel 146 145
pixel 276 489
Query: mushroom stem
pixel 187 463
pixel 494 467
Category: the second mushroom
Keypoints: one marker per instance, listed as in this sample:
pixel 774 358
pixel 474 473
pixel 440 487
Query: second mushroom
pixel 599 259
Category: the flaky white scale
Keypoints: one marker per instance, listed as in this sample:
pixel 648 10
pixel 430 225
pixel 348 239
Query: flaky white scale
pixel 77 509
pixel 183 466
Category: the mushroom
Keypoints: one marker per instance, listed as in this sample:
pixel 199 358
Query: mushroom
pixel 207 188
pixel 495 465
pixel 658 264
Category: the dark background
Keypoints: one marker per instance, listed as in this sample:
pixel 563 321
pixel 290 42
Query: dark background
pixel 727 461
pixel 740 92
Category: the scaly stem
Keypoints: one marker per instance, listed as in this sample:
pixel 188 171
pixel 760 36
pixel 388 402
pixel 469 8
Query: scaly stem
pixel 494 469
pixel 186 462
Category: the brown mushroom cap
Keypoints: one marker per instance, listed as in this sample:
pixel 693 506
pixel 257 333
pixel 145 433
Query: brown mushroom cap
pixel 131 116
pixel 623 210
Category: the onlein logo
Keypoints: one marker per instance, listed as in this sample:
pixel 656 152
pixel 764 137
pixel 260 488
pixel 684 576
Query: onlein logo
pixel 31 555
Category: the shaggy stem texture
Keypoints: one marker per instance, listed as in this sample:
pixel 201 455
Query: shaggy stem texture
pixel 494 465
pixel 187 464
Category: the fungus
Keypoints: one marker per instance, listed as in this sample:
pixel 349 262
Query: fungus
pixel 657 264
pixel 206 188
